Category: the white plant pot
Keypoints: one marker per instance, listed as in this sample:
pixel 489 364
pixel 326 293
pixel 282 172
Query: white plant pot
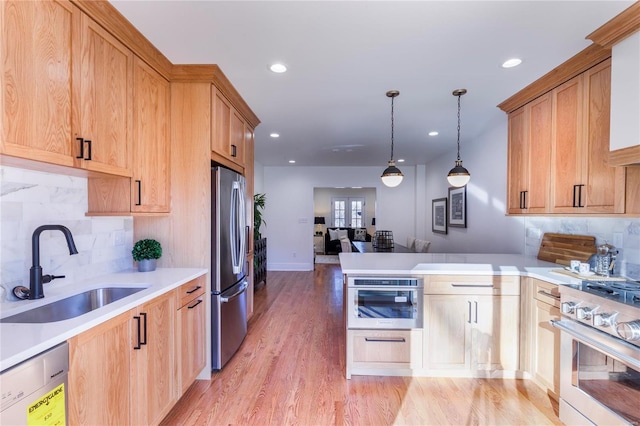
pixel 147 265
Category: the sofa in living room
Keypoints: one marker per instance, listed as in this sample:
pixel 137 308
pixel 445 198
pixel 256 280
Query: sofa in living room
pixel 333 235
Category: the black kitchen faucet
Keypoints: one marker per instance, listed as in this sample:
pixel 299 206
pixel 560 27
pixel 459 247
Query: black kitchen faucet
pixel 36 278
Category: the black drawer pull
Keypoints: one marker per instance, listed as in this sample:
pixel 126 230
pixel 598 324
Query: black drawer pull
pixel 199 301
pixel 196 288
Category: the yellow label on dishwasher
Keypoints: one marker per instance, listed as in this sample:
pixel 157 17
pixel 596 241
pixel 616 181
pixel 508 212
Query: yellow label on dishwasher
pixel 48 410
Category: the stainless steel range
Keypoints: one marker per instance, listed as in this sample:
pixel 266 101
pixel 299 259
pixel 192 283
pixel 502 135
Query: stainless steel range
pixel 600 353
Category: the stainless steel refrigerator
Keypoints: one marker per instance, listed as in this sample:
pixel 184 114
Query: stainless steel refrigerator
pixel 229 267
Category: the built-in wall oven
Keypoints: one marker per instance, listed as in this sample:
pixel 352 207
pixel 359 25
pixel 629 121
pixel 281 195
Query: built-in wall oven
pixel 384 302
pixel 600 353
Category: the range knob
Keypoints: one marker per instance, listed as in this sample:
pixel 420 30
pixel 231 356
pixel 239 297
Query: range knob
pixel 568 307
pixel 604 320
pixel 584 312
pixel 629 331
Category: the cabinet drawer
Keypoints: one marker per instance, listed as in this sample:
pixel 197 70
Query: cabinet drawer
pixel 188 291
pixel 385 346
pixel 472 284
pixel 547 292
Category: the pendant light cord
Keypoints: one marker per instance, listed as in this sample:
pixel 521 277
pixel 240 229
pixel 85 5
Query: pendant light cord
pixel 458 127
pixel 392 128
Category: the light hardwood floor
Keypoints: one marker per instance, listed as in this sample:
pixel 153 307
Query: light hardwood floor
pixel 290 370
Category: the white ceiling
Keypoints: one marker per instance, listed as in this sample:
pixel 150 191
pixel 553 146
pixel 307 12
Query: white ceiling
pixel 330 108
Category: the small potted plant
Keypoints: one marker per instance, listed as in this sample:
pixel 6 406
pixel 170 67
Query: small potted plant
pixel 145 252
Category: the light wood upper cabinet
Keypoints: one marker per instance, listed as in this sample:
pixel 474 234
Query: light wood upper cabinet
pixel 583 180
pixel 228 129
pixel 103 99
pixel 559 150
pixel 529 157
pixel 151 186
pixel 36 80
pixel 67 88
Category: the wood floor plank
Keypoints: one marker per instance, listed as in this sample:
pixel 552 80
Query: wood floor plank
pixel 290 371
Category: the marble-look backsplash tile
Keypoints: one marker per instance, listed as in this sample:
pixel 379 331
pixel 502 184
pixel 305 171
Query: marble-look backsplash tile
pixel 29 199
pixel 603 229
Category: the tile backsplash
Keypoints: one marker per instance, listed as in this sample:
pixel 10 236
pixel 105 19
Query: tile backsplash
pixel 29 199
pixel 609 230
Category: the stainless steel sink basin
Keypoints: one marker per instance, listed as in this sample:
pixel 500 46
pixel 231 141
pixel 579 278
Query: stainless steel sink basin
pixel 73 306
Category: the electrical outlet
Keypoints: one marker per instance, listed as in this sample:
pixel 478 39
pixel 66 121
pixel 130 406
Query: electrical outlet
pixel 618 239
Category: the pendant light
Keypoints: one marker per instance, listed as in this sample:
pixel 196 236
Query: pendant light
pixel 392 176
pixel 458 176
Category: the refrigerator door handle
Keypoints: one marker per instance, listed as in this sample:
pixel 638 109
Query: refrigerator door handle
pixel 242 289
pixel 233 225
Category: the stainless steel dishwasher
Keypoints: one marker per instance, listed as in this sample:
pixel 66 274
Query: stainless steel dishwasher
pixel 34 391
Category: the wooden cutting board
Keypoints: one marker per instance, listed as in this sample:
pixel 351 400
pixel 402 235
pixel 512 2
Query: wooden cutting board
pixel 562 248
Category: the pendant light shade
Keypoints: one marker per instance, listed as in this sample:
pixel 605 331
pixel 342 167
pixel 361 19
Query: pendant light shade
pixel 392 176
pixel 458 176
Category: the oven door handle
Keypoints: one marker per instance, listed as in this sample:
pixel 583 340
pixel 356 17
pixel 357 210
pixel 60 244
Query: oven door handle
pixel 616 348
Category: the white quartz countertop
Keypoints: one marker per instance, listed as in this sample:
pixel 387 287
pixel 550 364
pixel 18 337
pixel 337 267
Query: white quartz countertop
pixel 452 264
pixel 19 342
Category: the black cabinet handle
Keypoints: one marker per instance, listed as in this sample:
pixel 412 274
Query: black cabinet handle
pixel 233 150
pixel 88 150
pixel 138 346
pixel 81 148
pixel 574 196
pixel 196 288
pixel 144 317
pixel 521 197
pixel 580 196
pixel 139 183
pixel 195 304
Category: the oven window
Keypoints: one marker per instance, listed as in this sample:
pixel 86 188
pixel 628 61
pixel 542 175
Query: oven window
pixel 608 381
pixel 386 304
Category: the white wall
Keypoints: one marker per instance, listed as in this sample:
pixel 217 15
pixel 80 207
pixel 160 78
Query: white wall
pixel 289 208
pixel 29 199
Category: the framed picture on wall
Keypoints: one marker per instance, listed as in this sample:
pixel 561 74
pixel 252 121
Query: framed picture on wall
pixel 439 215
pixel 458 207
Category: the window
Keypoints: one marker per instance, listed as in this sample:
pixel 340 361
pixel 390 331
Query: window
pixel 348 212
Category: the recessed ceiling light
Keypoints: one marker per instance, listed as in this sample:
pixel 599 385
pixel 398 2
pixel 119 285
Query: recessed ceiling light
pixel 275 135
pixel 279 68
pixel 400 160
pixel 510 63
pixel 434 133
pixel 292 161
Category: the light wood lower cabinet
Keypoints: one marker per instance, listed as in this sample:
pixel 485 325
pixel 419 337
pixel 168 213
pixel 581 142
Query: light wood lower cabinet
pixel 471 323
pixel 124 371
pixel 471 332
pixel 190 332
pixel 386 352
pixel 546 362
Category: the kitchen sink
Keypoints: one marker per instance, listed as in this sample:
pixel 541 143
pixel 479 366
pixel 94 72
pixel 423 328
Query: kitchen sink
pixel 73 306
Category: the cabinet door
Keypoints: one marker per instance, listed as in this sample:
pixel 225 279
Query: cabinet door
pixel 539 155
pixel 237 142
pixel 447 332
pixel 518 161
pixel 151 143
pixel 191 344
pixel 36 54
pixel 220 128
pixel 567 160
pixel 496 322
pixel 153 378
pixel 605 185
pixel 100 374
pixel 546 347
pixel 103 92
